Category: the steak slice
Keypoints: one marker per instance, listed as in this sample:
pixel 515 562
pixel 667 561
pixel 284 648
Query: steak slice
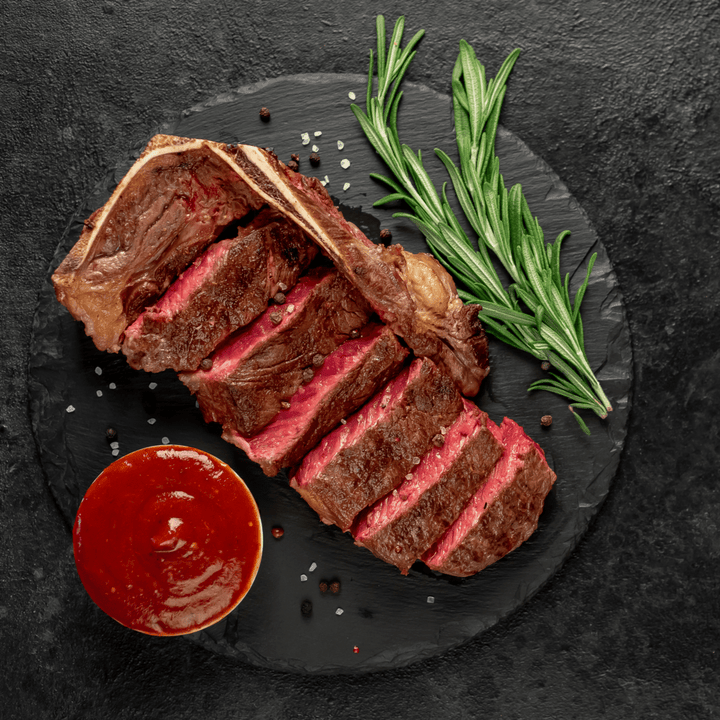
pixel 502 514
pixel 224 289
pixel 360 462
pixel 347 378
pixel 259 368
pixel 404 524
pixel 173 202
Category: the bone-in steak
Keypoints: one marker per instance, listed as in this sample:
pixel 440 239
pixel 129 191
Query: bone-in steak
pixel 363 460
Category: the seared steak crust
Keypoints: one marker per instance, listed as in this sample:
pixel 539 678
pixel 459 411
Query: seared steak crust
pixel 403 525
pixel 360 462
pixel 224 289
pixel 347 378
pixel 259 368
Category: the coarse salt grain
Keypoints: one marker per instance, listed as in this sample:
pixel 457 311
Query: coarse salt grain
pixel 115 445
pixel 346 186
pixel 112 386
pixel 305 137
pixel 431 599
pixel 313 567
pixel 323 183
pixel 151 421
pixel 339 611
pixel 166 441
pixel 317 133
pixel 351 95
pixel 315 148
pixel 303 578
pixel 115 452
pixel 340 144
pixel 98 371
pixel 290 308
pixel 98 393
pixel 152 385
pixel 70 408
pixel 345 163
pixel 327 179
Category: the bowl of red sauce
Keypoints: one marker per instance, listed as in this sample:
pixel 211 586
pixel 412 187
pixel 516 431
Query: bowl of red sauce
pixel 167 540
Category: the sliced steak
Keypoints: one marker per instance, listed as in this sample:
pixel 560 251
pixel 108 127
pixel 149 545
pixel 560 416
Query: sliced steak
pixel 227 287
pixel 404 524
pixel 360 462
pixel 259 368
pixel 502 514
pixel 174 201
pixel 347 378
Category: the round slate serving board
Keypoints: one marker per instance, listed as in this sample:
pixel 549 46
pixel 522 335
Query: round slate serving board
pixel 378 619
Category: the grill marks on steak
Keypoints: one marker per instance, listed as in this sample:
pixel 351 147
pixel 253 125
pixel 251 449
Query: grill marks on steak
pixel 347 378
pixel 261 367
pixel 363 460
pixel 502 514
pixel 174 201
pixel 404 524
pixel 224 289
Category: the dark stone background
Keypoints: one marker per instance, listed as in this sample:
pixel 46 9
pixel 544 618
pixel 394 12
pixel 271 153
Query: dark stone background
pixel 621 99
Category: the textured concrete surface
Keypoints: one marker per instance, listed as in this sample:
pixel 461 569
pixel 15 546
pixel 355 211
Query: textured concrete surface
pixel 621 100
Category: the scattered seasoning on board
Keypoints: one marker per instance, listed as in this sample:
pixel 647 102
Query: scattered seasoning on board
pixel 115 445
pixel 98 371
pixel 339 611
pixel 314 159
pixel 385 235
pixel 70 409
pixel 306 608
pixel 166 441
pixel 292 165
pixel 312 567
pixel 545 365
pixel 112 386
pixel 277 532
pixel 430 599
pixel 295 157
pixel 152 385
pixel 111 433
pixel 264 114
pixel 335 587
pixel 344 163
pixel 340 144
pixel 317 133
pixel 351 95
pixel 323 586
pixel 546 420
pixel 346 186
pixel 303 578
pixel 305 138
pixel 315 148
pixel 356 649
pixel 151 421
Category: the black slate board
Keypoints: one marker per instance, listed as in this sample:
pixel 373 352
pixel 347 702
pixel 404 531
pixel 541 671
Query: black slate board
pixel 393 620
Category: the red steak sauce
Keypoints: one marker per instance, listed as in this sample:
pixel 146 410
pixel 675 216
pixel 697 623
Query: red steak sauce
pixel 167 540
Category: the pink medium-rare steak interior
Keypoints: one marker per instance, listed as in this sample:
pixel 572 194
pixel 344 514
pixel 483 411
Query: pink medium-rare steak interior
pixel 227 287
pixel 259 368
pixel 412 293
pixel 172 203
pixel 404 524
pixel 502 514
pixel 347 378
pixel 363 460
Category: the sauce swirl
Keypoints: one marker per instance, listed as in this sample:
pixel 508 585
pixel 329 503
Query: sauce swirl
pixel 167 540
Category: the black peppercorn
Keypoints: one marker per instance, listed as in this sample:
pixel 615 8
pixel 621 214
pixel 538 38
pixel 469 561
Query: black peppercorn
pixel 264 114
pixel 385 235
pixel 279 298
pixel 323 586
pixel 335 586
pixel 293 165
pixel 276 318
pixel 295 157
pixel 206 364
pixel 314 159
pixel 546 420
pixel 277 532
pixel 111 433
pixel 306 608
pixel 545 365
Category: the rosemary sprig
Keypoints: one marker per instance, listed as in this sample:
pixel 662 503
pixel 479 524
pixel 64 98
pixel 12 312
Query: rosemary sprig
pixel 535 313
